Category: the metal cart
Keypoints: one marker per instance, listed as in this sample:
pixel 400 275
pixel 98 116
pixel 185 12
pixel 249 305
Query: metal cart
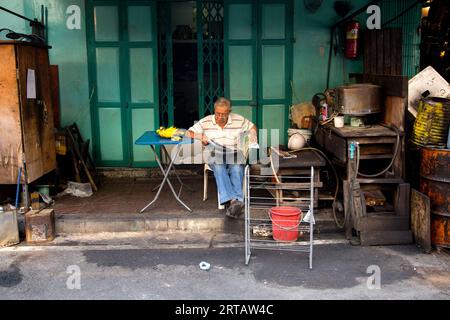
pixel 263 192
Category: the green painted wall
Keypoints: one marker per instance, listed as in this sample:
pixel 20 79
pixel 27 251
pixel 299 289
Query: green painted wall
pixel 70 53
pixel 311 49
pixel 9 21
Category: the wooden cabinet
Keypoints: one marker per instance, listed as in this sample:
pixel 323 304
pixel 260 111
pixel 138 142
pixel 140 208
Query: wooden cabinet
pixel 26 123
pixel 376 222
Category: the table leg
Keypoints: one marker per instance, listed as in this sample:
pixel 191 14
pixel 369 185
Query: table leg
pixel 166 178
pixel 176 174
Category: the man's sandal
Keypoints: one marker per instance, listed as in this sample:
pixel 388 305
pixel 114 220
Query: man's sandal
pixel 234 211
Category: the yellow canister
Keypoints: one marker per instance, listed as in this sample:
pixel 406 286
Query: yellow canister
pixel 432 122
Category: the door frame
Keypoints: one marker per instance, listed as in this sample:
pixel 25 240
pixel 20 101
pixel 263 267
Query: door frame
pixel 124 79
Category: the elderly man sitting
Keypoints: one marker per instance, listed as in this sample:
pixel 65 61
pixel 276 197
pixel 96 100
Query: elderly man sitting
pixel 225 132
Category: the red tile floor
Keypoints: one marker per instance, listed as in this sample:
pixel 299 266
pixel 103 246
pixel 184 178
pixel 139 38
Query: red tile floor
pixel 130 195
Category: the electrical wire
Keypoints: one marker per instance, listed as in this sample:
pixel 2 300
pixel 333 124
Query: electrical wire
pixel 338 224
pixel 397 148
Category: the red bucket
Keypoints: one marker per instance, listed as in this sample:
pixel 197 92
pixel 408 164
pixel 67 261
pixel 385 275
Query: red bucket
pixel 285 222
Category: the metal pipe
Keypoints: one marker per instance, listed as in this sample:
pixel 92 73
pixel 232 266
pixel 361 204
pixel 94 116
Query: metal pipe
pixel 20 16
pixel 18 187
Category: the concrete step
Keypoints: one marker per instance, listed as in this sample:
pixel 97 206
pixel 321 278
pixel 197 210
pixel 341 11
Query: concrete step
pixel 135 222
pixel 103 222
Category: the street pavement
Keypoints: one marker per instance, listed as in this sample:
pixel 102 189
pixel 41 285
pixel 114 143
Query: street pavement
pixel 136 268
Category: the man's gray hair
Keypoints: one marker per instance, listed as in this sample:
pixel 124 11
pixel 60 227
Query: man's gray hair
pixel 222 102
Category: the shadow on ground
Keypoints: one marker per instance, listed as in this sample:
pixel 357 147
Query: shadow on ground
pixel 335 266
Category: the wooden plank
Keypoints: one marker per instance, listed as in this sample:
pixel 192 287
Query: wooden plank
pixel 304 159
pixel 393 85
pixel 332 143
pixel 10 127
pixel 399 166
pixel 347 209
pixel 373 49
pixel 397 54
pixel 30 113
pixel 37 114
pixel 376 156
pixel 356 132
pixel 336 146
pixel 23 43
pixel 293 186
pixel 54 74
pixel 380 52
pixel 377 140
pixel 380 181
pixel 395 111
pixel 402 199
pixel 80 158
pixel 376 238
pixel 376 149
pixel 367 52
pixel 298 172
pixel 379 222
pixel 387 51
pixel 421 220
pixel 46 122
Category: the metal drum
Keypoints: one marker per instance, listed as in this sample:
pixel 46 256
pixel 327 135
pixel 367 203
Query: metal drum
pixel 435 183
pixel 432 122
pixel 359 99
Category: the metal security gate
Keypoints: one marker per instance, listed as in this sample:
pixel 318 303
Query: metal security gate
pixel 210 18
pixel 210 58
pixel 165 77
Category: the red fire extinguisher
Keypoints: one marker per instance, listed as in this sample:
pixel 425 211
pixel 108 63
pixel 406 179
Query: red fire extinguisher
pixel 351 39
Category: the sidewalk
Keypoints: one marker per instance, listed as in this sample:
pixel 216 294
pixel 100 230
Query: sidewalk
pixel 116 208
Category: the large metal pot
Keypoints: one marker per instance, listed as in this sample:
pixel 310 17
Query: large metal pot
pixel 358 99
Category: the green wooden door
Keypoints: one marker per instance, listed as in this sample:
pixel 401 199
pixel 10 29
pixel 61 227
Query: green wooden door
pixel 123 79
pixel 258 61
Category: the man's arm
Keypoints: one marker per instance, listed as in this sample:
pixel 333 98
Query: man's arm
pixel 253 135
pixel 199 136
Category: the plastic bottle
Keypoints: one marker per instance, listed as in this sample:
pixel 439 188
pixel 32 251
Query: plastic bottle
pixel 352 150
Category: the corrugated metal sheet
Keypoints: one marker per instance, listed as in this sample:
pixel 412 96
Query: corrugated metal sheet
pixel 410 23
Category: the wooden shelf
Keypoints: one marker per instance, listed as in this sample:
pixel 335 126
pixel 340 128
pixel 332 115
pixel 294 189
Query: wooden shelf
pixel 381 181
pixel 375 156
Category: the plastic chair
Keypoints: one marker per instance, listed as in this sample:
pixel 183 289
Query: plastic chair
pixel 207 168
